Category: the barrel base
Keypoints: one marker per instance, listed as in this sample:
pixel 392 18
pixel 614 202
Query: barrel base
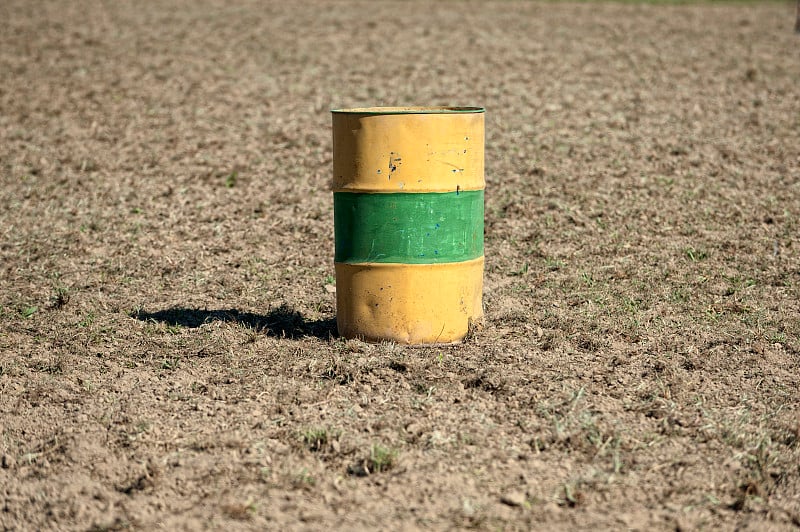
pixel 412 304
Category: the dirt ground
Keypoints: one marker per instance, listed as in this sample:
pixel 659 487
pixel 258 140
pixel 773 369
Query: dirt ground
pixel 168 356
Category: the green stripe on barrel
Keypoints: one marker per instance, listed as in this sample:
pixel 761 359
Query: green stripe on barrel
pixel 408 228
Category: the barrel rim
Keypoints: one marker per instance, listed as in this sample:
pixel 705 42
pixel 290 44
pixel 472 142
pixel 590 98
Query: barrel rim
pixel 410 110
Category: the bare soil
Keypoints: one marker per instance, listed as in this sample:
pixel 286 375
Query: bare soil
pixel 168 356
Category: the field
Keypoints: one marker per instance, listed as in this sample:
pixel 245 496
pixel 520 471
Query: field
pixel 168 354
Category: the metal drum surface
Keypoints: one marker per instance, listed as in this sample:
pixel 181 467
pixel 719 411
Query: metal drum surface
pixel 408 187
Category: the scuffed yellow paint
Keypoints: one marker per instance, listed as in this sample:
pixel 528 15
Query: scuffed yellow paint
pixel 409 303
pixel 407 152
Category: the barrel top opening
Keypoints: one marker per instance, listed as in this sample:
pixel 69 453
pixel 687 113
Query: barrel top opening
pixel 408 110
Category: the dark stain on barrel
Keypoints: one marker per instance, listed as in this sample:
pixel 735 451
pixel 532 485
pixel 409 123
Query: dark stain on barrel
pixel 394 161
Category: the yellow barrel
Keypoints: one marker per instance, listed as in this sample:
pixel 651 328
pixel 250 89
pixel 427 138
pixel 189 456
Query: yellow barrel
pixel 408 214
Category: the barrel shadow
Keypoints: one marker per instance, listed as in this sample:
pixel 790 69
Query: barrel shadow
pixel 281 322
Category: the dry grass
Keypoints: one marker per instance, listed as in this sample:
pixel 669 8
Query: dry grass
pixel 168 355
